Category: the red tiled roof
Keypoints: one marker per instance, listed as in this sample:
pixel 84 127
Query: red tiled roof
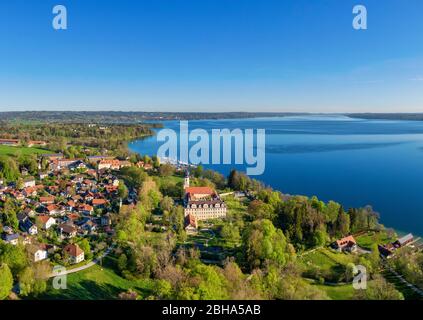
pixel 43 219
pixel 73 250
pixel 52 207
pixel 346 240
pixel 99 201
pixel 46 199
pixel 199 190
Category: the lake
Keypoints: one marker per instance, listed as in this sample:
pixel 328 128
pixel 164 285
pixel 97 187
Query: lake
pixel 353 161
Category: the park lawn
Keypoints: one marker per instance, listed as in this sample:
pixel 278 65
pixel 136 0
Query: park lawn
pixel 13 151
pixel 97 283
pixel 370 238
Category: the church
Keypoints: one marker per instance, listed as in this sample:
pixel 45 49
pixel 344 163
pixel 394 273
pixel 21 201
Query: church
pixel 202 203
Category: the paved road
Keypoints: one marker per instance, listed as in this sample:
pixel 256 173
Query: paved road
pixel 85 266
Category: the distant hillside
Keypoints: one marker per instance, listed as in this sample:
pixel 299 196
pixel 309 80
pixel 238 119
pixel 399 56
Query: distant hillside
pixel 127 117
pixel 388 116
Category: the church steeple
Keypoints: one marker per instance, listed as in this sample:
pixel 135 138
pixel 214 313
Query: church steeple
pixel 186 180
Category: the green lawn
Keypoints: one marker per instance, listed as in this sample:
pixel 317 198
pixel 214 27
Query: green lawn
pixel 327 264
pixel 12 151
pixel 338 292
pixel 373 237
pixel 97 283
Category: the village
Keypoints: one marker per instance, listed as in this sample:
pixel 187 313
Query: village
pixel 66 215
pixel 77 198
pixel 72 198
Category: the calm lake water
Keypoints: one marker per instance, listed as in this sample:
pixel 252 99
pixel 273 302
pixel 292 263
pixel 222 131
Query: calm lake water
pixel 353 161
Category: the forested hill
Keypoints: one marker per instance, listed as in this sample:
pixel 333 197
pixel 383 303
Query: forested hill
pixel 388 116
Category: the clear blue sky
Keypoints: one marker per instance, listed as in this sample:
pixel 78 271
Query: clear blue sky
pixel 212 55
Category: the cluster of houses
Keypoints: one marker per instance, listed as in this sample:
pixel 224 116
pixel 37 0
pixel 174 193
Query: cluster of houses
pixel 349 244
pixel 63 200
pixel 389 249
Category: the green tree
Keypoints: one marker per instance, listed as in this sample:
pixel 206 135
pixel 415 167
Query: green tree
pixel 84 244
pixel 6 281
pixel 9 169
pixel 379 289
pixel 166 170
pixel 166 204
pixel 263 242
pixel 14 256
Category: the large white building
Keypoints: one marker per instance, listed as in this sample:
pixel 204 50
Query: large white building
pixel 203 203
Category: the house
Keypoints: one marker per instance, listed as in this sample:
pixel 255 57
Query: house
pixel 10 238
pixel 191 225
pixel 86 209
pixel 30 192
pixel 32 143
pixel 29 212
pixel 70 205
pixel 106 220
pixel 47 200
pixel 96 159
pixel 77 165
pixel 59 164
pixel 42 175
pixel 124 164
pixel 10 142
pixel 7 229
pixel 386 250
pixel 26 225
pixel 403 241
pixel 99 203
pixel 346 244
pixel 145 166
pixel 29 182
pixel 75 253
pixel 67 230
pixel 55 210
pixel 37 252
pixel 109 164
pixel 88 227
pixel 46 222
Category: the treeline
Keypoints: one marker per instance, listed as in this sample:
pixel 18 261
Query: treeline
pixel 107 117
pixel 388 116
pixel 60 136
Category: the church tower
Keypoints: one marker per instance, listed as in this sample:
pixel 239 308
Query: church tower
pixel 186 180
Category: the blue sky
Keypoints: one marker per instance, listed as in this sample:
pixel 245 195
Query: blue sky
pixel 212 55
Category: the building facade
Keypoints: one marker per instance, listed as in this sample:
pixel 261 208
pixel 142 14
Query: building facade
pixel 203 203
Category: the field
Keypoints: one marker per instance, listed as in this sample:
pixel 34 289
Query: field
pixel 13 151
pixel 97 283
